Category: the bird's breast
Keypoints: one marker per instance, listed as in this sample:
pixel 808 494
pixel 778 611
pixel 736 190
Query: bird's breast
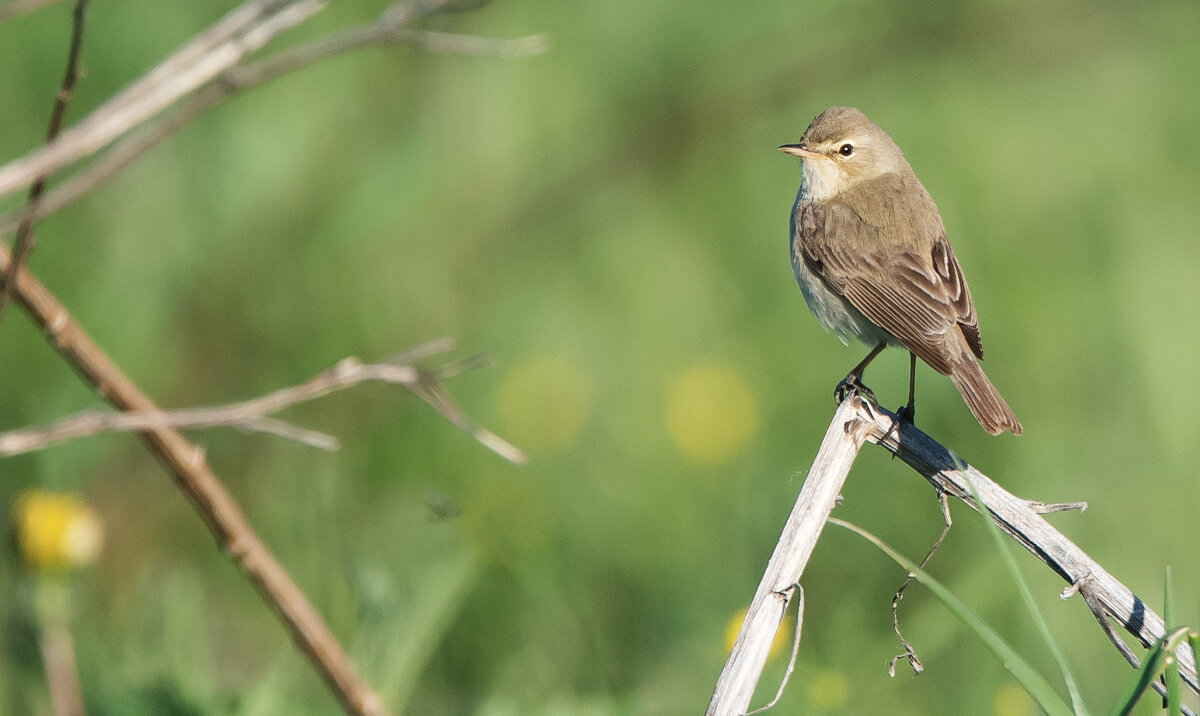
pixel 832 310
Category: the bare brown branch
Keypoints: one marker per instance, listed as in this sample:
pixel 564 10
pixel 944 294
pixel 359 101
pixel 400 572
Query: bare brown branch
pixel 253 414
pixel 197 481
pixel 222 46
pixel 246 75
pixel 23 245
pixel 211 67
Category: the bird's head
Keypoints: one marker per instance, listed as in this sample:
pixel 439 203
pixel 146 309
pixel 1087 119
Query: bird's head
pixel 841 148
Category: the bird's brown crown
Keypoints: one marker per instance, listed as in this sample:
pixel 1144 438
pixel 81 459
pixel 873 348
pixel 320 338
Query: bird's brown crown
pixel 837 123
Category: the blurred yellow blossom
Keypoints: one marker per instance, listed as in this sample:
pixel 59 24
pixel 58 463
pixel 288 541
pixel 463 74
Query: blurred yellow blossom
pixel 1011 700
pixel 829 689
pixel 783 637
pixel 56 530
pixel 711 413
pixel 543 404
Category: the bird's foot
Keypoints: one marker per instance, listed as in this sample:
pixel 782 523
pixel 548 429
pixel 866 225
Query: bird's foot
pixel 853 384
pixel 904 414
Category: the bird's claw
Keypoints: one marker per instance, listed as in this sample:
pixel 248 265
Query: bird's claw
pixel 852 384
pixel 904 414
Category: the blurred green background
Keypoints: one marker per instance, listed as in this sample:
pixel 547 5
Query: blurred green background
pixel 608 221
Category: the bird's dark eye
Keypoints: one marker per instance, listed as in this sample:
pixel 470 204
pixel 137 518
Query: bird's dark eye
pixel 846 149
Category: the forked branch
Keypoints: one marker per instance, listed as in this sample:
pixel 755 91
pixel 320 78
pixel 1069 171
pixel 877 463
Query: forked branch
pixel 254 414
pixel 856 421
pixel 216 65
pixel 198 76
pixel 196 480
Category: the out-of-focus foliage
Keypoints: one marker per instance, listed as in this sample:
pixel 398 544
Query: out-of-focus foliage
pixel 608 221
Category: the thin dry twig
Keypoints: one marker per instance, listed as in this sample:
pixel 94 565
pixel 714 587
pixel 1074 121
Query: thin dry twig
pixel 389 29
pixel 910 651
pixel 456 44
pixel 187 463
pixel 204 64
pixel 251 415
pixel 1043 508
pixel 23 245
pixel 16 8
pixel 791 667
pixel 215 50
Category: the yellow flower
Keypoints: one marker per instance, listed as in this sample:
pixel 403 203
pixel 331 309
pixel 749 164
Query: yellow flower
pixel 711 413
pixel 56 530
pixel 829 689
pixel 1011 700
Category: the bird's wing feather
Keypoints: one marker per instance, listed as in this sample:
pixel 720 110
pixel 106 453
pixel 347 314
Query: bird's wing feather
pixel 918 297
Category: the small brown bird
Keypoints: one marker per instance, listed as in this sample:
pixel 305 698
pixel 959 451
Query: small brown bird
pixel 872 258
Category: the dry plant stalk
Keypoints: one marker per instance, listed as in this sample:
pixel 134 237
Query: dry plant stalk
pixel 201 486
pixel 239 33
pixel 205 72
pixel 253 415
pixel 210 69
pixel 846 434
pixel 857 420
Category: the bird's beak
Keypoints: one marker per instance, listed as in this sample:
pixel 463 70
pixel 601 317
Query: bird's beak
pixel 800 150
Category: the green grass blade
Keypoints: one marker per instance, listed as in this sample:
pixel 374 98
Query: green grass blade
pixel 1152 668
pixel 1193 640
pixel 1030 605
pixel 1038 688
pixel 1174 688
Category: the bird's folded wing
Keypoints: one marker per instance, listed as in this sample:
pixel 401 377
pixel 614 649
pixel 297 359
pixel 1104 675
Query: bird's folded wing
pixel 919 299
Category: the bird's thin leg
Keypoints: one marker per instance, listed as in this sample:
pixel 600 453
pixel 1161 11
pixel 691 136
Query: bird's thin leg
pixel 908 413
pixel 853 380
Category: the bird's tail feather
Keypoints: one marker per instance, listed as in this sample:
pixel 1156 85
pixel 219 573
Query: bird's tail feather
pixel 985 402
